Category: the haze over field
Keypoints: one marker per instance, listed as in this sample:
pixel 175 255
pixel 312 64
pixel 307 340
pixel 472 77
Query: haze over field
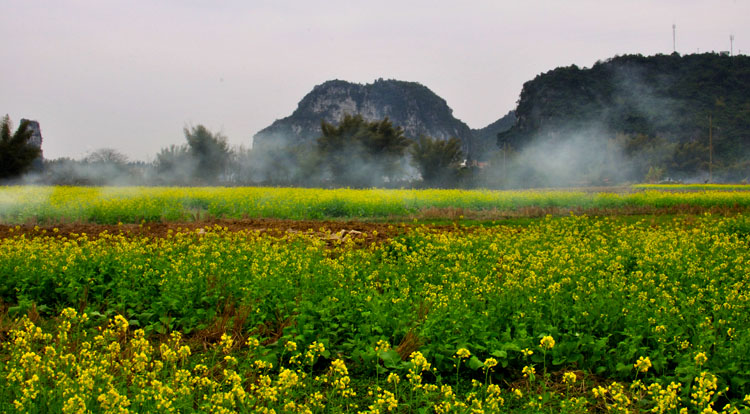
pixel 131 75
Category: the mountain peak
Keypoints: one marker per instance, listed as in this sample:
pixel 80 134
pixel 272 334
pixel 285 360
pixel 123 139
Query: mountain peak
pixel 410 105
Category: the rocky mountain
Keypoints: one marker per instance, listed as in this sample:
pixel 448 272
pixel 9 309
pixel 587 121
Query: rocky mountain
pixel 683 114
pixel 36 140
pixel 410 105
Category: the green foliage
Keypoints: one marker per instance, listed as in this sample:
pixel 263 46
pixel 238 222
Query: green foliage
pixel 658 300
pixel 16 153
pixel 358 153
pixel 661 102
pixel 607 291
pixel 438 161
pixel 210 152
pixel 203 159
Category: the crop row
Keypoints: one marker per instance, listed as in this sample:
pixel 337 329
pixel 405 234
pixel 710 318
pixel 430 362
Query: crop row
pixel 621 300
pixel 111 205
pixel 693 187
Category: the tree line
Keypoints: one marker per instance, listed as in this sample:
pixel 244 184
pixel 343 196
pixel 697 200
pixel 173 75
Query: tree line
pixel 627 119
pixel 353 153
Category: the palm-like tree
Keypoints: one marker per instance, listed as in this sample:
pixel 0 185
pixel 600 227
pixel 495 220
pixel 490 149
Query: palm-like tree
pixel 437 160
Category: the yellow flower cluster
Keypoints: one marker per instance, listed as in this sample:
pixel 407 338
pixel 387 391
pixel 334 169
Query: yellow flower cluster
pixel 700 358
pixel 703 390
pixel 463 353
pixel 118 370
pixel 643 364
pixel 665 399
pixel 382 346
pixel 547 342
pixel 569 378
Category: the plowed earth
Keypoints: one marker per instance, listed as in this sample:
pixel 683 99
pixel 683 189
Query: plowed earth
pixel 328 230
pixel 332 230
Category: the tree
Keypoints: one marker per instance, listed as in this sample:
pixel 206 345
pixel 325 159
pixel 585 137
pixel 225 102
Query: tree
pixel 107 156
pixel 209 151
pixel 174 165
pixel 358 153
pixel 202 159
pixel 16 152
pixel 438 161
pixel 106 166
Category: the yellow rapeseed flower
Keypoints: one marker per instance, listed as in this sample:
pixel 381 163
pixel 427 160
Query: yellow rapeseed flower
pixel 700 358
pixel 463 353
pixel 643 364
pixel 382 346
pixel 226 343
pixel 599 392
pixel 547 342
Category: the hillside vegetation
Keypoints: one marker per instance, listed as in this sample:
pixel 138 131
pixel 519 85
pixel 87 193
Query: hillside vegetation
pixel 678 116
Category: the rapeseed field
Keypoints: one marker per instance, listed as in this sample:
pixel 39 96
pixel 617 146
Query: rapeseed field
pixel 111 205
pixel 559 314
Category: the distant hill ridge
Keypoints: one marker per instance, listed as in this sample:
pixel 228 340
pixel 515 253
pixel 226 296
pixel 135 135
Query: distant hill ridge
pixel 661 111
pixel 410 105
pixel 664 105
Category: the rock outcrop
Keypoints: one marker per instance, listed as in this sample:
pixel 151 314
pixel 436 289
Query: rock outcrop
pixel 36 140
pixel 410 105
pixel 36 135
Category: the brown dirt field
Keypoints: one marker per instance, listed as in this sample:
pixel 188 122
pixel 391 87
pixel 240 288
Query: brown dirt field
pixel 331 230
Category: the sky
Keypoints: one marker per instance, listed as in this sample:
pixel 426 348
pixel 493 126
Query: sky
pixel 131 75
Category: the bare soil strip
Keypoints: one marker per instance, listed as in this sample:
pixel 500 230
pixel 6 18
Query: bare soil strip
pixel 332 230
pixel 369 231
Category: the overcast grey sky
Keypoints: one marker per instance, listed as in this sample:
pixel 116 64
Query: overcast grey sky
pixel 131 74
